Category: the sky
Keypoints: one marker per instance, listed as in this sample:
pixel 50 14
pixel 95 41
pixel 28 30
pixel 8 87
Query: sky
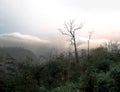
pixel 41 19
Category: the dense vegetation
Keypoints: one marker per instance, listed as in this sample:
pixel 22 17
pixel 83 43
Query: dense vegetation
pixel 17 53
pixel 99 73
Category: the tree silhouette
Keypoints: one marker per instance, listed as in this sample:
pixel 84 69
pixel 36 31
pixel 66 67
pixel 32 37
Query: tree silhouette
pixel 89 37
pixel 70 30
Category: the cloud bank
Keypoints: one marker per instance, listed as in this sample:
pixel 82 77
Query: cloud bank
pixel 35 44
pixel 23 37
pixel 41 46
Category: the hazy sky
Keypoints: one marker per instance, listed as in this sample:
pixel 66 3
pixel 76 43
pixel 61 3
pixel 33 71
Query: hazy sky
pixel 42 18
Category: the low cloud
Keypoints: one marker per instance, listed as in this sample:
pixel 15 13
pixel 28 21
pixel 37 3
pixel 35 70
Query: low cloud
pixel 23 37
pixel 83 42
pixel 41 46
pixel 35 44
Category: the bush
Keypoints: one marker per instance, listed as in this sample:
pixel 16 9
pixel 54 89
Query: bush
pixel 69 87
pixel 102 66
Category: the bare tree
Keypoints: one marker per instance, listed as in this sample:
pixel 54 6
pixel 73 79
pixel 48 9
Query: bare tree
pixel 70 30
pixel 113 46
pixel 89 37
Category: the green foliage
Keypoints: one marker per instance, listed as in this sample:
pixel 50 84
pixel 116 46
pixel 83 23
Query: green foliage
pixel 62 74
pixel 43 89
pixel 103 82
pixel 102 66
pixel 115 75
pixel 69 87
pixel 87 80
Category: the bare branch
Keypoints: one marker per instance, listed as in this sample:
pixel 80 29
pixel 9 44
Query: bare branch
pixel 79 27
pixel 64 33
pixel 66 26
pixel 69 27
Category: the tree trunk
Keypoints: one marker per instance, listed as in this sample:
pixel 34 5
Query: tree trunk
pixel 76 53
pixel 88 50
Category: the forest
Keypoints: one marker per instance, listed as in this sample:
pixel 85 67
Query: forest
pixel 61 73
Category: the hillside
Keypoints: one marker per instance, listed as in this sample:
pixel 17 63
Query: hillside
pixel 20 54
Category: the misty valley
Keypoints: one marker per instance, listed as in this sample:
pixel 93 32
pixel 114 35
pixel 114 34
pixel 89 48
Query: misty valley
pixel 59 45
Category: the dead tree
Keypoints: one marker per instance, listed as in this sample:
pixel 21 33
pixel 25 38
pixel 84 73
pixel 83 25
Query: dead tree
pixel 89 37
pixel 70 30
